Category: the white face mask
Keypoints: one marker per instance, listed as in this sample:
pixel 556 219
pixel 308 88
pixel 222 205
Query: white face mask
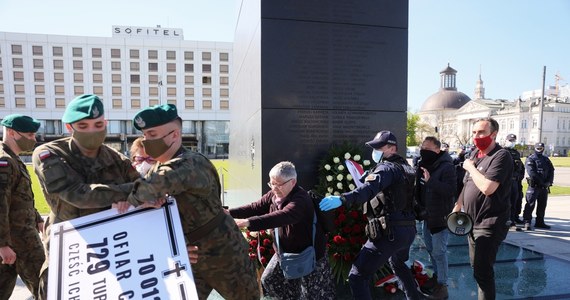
pixel 510 144
pixel 143 168
pixel 377 155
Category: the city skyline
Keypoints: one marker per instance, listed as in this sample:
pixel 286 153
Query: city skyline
pixel 509 42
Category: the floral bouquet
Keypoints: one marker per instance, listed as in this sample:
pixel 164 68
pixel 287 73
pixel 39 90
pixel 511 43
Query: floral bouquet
pixel 260 247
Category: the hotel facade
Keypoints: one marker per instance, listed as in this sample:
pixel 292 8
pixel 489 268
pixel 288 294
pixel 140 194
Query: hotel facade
pixel 135 68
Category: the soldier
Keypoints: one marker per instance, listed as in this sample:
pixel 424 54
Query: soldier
pixel 68 167
pixel 193 181
pixel 518 175
pixel 21 251
pixel 540 177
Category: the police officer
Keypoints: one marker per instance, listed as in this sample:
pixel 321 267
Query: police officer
pixel 518 175
pixel 21 251
pixel 68 167
pixel 387 198
pixel 193 181
pixel 540 177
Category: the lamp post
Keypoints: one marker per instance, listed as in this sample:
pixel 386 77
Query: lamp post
pixel 540 108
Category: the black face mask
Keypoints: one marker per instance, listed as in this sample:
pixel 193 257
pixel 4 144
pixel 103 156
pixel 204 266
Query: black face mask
pixel 428 157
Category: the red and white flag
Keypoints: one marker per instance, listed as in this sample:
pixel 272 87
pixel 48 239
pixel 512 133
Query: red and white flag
pixel 355 171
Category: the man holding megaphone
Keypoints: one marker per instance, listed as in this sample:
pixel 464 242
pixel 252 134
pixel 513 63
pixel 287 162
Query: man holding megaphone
pixel 485 198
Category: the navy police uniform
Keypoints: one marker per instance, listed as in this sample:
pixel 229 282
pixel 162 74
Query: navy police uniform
pixel 540 178
pixel 516 187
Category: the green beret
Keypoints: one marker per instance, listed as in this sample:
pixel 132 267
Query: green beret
pixel 21 123
pixel 83 107
pixel 155 116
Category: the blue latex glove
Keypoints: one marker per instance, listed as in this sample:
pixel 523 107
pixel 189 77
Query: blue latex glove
pixel 330 202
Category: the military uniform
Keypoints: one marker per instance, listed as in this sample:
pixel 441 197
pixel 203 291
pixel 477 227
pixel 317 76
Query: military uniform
pixel 18 225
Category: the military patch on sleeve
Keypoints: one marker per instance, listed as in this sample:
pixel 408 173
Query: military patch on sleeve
pixel 44 154
pixel 371 177
pixel 3 163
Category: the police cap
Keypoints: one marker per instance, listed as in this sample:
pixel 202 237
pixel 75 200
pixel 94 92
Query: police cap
pixel 383 138
pixel 511 137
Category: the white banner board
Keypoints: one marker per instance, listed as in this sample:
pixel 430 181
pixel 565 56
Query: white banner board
pixel 140 254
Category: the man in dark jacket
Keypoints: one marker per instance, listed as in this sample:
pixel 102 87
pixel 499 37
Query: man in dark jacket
pixel 435 191
pixel 518 175
pixel 540 178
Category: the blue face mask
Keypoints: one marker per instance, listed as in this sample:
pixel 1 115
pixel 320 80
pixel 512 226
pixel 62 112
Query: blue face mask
pixel 377 155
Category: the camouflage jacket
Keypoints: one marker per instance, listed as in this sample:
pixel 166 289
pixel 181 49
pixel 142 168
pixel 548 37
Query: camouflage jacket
pixel 190 178
pixel 17 211
pixel 75 185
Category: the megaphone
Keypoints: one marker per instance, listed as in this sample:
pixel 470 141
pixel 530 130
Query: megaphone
pixel 459 223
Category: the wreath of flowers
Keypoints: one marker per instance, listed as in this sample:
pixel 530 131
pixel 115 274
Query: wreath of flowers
pixel 260 247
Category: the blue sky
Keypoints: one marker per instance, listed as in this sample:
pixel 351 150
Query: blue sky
pixel 509 40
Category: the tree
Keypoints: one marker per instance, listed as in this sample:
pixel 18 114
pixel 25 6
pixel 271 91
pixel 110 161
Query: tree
pixel 411 129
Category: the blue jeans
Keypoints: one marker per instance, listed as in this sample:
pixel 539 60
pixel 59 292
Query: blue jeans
pixel 436 245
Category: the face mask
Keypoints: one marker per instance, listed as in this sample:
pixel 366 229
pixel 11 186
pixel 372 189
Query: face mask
pixel 428 157
pixel 539 152
pixel 483 143
pixel 90 140
pixel 156 148
pixel 143 168
pixel 377 155
pixel 510 144
pixel 24 143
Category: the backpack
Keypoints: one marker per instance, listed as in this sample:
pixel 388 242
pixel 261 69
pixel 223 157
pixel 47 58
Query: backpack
pixel 325 219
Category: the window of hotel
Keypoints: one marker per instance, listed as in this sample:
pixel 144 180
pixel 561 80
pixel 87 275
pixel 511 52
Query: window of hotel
pixel 18 76
pixel 189 79
pixel 59 102
pixel 207 104
pixel 135 103
pixel 20 102
pixel 135 66
pixel 57 51
pixel 189 104
pixel 134 53
pixel 188 67
pixel 206 92
pixel 78 65
pixel 40 102
pixel 39 76
pixel 170 67
pixel 171 79
pixel 224 104
pixel 135 79
pixel 78 90
pixel 16 49
pixel 77 52
pixel 116 65
pixel 19 89
pixel 206 80
pixel 224 80
pixel 153 66
pixel 207 68
pixel 98 90
pixel 224 92
pixel 117 91
pixel 1 74
pixel 37 50
pixel 206 56
pixel 170 55
pixel 117 103
pixel 152 54
pixel 116 78
pixel 188 55
pixel 98 78
pixel 2 102
pixel 59 90
pixel 153 91
pixel 58 77
pixel 171 92
pixel 224 69
pixel 77 77
pixel 153 102
pixel 38 63
pixel 135 91
pixel 224 56
pixel 97 65
pixel 1 89
pixel 17 63
pixel 40 90
pixel 96 52
pixel 58 64
pixel 189 91
pixel 153 79
pixel 171 101
pixel 115 53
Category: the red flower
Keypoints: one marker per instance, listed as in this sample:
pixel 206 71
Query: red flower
pixel 253 243
pixel 354 214
pixel 347 229
pixel 356 228
pixel 338 239
pixel 264 261
pixel 341 217
pixel 337 256
pixel 267 242
pixel 261 249
pixel 271 251
pixel 347 257
pixel 336 222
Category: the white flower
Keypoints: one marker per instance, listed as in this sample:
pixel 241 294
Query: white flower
pixel 349 177
pixel 336 193
pixel 356 157
pixel 347 155
pixel 330 189
pixel 366 162
pixel 340 167
pixel 329 178
pixel 339 185
pixel 336 160
pixel 351 186
pixel 327 167
pixel 327 194
pixel 339 177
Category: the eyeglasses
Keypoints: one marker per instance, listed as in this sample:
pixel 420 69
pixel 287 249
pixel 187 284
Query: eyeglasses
pixel 270 185
pixel 148 159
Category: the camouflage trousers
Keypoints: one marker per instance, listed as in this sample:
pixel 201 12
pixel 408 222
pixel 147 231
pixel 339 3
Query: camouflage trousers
pixel 29 259
pixel 315 286
pixel 224 264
